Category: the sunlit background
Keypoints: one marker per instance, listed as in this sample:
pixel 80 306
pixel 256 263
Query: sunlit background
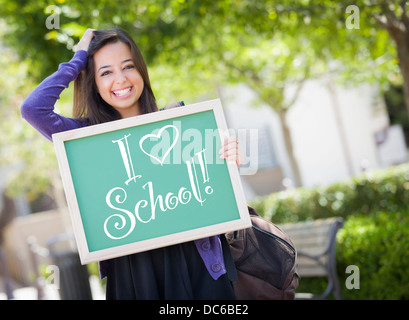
pixel 317 93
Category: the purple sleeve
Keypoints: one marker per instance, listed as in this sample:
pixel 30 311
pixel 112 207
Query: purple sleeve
pixel 211 252
pixel 38 107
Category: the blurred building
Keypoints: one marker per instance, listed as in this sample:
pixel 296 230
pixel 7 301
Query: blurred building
pixel 337 133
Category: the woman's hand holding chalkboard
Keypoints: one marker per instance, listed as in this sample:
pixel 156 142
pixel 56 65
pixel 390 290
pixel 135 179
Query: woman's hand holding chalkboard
pixel 231 151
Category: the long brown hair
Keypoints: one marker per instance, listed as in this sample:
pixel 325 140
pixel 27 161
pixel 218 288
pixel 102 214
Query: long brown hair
pixel 88 104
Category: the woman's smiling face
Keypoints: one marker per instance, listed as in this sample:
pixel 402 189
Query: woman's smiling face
pixel 118 81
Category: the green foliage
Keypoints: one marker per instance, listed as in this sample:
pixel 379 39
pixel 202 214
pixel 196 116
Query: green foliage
pixel 375 237
pixel 383 190
pixel 193 46
pixel 29 157
pixel 208 32
pixel 377 244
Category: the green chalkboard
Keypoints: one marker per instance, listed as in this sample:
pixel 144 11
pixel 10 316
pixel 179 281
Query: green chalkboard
pixel 150 181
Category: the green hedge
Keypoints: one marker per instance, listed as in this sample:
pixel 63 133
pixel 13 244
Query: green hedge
pixel 384 190
pixel 378 244
pixel 375 236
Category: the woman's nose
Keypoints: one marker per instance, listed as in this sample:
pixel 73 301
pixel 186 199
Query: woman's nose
pixel 120 78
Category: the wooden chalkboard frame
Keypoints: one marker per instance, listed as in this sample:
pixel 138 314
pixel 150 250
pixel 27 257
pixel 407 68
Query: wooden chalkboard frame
pixel 86 256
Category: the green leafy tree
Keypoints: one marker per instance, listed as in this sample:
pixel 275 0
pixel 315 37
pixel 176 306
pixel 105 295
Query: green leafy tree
pixel 191 46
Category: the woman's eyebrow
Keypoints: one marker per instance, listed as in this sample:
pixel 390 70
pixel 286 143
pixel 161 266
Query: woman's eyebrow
pixel 103 67
pixel 126 60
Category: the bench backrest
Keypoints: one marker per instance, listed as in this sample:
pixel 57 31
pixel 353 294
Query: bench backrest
pixel 314 241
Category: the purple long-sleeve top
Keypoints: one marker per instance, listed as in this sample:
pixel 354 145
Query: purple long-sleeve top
pixel 38 110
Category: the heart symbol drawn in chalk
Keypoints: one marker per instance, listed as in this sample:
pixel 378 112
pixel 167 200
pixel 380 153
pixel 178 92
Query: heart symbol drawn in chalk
pixel 157 136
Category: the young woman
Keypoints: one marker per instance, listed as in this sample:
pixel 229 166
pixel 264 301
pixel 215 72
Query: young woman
pixel 112 82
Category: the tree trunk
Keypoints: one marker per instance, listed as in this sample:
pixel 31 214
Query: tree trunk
pixel 297 181
pixel 402 46
pixel 399 32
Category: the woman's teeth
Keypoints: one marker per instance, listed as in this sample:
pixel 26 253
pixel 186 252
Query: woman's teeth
pixel 122 92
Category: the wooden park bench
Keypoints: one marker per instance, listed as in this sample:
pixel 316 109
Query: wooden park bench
pixel 315 242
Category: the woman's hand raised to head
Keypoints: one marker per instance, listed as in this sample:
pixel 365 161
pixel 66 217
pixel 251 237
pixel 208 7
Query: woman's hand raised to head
pixel 83 44
pixel 231 151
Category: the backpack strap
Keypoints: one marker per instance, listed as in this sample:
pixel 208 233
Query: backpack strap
pixel 228 260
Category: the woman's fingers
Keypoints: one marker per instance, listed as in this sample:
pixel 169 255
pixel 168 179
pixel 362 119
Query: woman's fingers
pixel 83 44
pixel 231 151
pixel 230 140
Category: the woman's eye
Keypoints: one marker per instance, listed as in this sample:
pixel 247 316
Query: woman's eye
pixel 105 73
pixel 130 67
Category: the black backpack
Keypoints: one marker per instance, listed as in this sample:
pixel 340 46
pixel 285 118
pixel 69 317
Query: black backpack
pixel 265 259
